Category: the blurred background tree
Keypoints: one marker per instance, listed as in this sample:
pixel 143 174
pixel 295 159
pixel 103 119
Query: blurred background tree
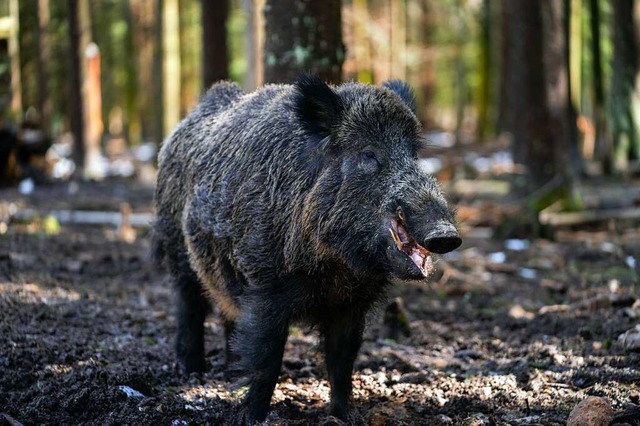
pixel 557 79
pixel 301 36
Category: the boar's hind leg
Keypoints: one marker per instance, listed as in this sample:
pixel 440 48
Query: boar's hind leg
pixel 231 358
pixel 192 310
pixel 342 340
pixel 259 339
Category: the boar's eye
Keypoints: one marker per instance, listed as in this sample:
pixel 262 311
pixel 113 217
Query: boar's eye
pixel 368 161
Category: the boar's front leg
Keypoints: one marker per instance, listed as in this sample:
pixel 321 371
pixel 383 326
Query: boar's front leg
pixel 259 339
pixel 342 340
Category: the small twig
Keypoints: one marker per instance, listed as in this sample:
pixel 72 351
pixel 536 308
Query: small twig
pixel 7 419
pixel 562 386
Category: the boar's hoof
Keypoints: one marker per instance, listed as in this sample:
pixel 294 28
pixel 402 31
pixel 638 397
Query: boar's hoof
pixel 246 419
pixel 193 364
pixel 339 411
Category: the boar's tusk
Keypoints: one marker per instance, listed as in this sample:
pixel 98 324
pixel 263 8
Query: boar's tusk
pixel 396 239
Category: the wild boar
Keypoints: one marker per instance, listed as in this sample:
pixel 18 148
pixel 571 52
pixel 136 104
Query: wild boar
pixel 295 203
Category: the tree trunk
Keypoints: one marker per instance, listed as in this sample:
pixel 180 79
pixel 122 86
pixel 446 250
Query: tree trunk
pixel 144 17
pixel 485 69
pixel 555 14
pixel 426 66
pixel 360 21
pixel 303 36
pixel 171 89
pixel 44 98
pixel 504 109
pixel 624 128
pixel 254 41
pixel 575 51
pixel 636 97
pixel 14 58
pixel 75 84
pixel 573 153
pixel 192 28
pixel 398 39
pixel 215 56
pixel 133 125
pixel 460 89
pixel 537 89
pixel 603 148
pixel 158 75
pixel 92 109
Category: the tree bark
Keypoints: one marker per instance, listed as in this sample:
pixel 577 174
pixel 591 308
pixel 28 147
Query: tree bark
pixel 192 27
pixel 398 39
pixel 303 36
pixel 485 69
pixel 171 88
pixel 360 20
pixel 44 98
pixel 460 89
pixel 504 109
pixel 537 89
pixel 573 153
pixel 158 75
pixel 92 109
pixel 144 18
pixel 75 85
pixel 215 55
pixel 603 148
pixel 14 55
pixel 254 43
pixel 624 127
pixel 575 51
pixel 555 14
pixel 427 85
pixel 133 125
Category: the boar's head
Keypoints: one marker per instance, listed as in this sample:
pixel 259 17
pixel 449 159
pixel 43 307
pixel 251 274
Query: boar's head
pixel 370 205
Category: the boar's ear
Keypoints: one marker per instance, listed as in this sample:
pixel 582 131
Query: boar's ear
pixel 317 106
pixel 403 90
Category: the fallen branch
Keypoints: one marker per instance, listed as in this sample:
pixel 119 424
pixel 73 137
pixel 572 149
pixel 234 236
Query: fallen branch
pixel 580 218
pixel 87 217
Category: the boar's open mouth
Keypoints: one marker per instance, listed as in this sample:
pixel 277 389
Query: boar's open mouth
pixel 407 244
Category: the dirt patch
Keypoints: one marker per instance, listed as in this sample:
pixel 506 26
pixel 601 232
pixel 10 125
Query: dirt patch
pixel 501 336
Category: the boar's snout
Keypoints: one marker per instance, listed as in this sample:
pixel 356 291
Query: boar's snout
pixel 417 235
pixel 443 239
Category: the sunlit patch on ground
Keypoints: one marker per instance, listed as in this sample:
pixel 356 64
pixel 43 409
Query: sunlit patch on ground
pixel 57 369
pixel 34 293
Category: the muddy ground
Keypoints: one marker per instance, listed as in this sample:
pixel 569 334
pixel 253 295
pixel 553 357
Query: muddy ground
pixel 505 333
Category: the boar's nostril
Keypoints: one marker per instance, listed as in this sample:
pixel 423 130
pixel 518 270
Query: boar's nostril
pixel 443 243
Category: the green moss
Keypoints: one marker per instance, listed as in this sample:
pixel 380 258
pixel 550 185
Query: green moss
pixel 569 199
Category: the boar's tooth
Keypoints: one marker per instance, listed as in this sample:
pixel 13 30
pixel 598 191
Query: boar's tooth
pixel 396 239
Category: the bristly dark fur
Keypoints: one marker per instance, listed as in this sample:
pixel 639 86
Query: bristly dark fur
pixel 403 90
pixel 277 204
pixel 317 106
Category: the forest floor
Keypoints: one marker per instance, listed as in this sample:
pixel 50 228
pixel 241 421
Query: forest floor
pixel 508 332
